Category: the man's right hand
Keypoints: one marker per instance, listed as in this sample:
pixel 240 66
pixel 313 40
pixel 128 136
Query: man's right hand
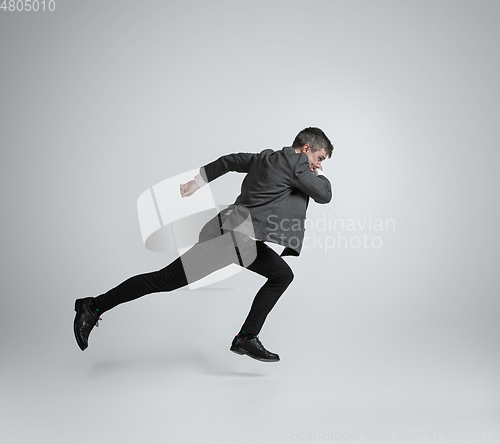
pixel 189 188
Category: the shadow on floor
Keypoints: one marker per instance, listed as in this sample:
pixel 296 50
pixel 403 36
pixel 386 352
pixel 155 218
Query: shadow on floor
pixel 187 361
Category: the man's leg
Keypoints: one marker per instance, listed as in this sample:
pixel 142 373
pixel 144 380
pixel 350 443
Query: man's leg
pixel 89 309
pixel 279 276
pixel 167 279
pixel 201 260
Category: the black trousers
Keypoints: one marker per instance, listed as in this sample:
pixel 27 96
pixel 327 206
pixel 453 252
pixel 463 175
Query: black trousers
pixel 267 263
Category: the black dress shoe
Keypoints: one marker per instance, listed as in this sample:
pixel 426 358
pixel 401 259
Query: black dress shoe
pixel 254 349
pixel 85 320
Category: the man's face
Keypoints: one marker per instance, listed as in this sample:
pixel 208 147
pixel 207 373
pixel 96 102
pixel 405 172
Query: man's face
pixel 315 158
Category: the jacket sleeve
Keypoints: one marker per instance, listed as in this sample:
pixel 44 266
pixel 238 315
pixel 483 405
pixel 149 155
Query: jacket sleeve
pixel 239 162
pixel 317 187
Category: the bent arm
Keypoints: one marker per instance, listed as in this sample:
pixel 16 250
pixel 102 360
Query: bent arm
pixel 239 162
pixel 318 187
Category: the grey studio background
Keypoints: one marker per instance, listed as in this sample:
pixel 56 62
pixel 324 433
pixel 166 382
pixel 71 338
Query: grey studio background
pixel 396 339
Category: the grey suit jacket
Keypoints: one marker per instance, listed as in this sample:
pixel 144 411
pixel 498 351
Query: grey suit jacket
pixel 275 191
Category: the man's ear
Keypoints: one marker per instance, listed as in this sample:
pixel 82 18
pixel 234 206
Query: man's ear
pixel 306 148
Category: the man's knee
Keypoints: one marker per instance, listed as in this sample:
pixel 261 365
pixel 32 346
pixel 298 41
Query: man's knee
pixel 285 275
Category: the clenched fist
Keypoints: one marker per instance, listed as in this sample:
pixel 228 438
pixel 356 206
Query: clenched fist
pixel 189 188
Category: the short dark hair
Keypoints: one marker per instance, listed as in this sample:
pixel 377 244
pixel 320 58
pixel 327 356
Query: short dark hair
pixel 315 138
